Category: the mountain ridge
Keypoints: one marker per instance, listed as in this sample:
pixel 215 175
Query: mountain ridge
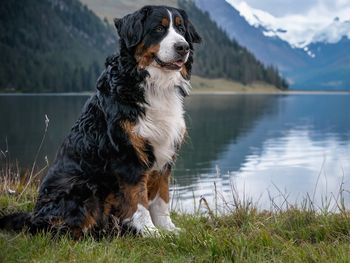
pixel 300 34
pixel 318 66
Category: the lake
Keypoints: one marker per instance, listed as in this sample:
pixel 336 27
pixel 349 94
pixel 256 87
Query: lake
pixel 274 149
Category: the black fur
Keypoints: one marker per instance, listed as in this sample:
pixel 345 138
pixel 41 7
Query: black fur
pixel 97 156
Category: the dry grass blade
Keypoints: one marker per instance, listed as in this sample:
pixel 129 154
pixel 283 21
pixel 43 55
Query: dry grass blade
pixel 32 176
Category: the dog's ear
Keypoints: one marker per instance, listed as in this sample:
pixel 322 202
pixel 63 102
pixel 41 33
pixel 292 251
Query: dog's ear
pixel 191 33
pixel 130 27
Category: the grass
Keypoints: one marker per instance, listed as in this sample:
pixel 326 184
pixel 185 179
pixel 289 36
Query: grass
pixel 204 85
pixel 245 234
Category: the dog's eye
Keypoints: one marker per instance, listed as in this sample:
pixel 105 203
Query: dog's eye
pixel 159 29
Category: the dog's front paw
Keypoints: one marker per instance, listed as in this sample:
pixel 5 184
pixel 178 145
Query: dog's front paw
pixel 141 221
pixel 168 225
pixel 150 232
pixel 176 230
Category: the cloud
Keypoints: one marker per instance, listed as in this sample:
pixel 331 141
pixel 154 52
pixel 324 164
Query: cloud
pixel 287 7
pixel 297 22
pixel 282 8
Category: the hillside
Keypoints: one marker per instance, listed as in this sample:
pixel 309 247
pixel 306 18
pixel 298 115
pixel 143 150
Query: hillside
pixel 313 64
pixel 268 50
pixel 220 57
pixel 119 8
pixel 60 46
pixel 51 45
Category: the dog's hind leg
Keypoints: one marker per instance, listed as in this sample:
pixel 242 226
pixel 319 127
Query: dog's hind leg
pixel 75 211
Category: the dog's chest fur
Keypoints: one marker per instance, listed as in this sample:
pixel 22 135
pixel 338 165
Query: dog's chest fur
pixel 163 124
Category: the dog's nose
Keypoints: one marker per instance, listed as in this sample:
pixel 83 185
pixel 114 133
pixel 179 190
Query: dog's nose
pixel 182 48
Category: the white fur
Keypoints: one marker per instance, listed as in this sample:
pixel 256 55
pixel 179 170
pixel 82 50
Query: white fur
pixel 160 214
pixel 163 124
pixel 142 222
pixel 167 51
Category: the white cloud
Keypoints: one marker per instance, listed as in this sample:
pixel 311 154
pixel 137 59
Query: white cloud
pixel 324 20
pixel 282 8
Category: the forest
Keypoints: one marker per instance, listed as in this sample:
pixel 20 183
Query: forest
pixel 61 45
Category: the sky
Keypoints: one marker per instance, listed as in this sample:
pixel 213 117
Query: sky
pixel 305 21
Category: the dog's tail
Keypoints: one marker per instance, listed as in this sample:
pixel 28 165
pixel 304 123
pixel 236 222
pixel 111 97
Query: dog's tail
pixel 16 222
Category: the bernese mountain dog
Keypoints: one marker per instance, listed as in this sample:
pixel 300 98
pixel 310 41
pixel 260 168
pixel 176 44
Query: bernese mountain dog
pixel 112 170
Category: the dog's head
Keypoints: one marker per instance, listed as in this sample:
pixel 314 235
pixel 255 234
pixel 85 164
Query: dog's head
pixel 159 36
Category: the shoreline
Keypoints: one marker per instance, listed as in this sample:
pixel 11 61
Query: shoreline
pixel 199 92
pixel 205 86
pixel 278 92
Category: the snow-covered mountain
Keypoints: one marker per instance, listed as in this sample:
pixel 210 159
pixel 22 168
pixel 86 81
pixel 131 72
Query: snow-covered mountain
pixel 313 53
pixel 298 30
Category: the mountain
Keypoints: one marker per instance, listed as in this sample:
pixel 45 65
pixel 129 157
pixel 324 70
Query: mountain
pixel 61 45
pixel 51 45
pixel 118 8
pixel 231 60
pixel 329 69
pixel 269 50
pixel 299 30
pixel 319 61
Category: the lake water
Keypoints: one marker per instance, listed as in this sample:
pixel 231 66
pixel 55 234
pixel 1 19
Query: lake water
pixel 266 147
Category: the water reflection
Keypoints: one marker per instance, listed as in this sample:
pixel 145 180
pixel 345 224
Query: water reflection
pixel 260 144
pixel 214 122
pixel 22 125
pixel 298 145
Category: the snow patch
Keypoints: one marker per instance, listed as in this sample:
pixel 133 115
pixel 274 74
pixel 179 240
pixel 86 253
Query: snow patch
pixel 299 30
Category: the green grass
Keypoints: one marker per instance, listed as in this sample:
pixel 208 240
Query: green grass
pixel 205 85
pixel 243 235
pixel 291 236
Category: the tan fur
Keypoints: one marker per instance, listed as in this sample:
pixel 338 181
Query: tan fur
pixel 90 221
pixel 158 183
pixel 137 141
pixel 184 72
pixel 110 202
pixel 178 21
pixel 165 22
pixel 132 196
pixel 145 56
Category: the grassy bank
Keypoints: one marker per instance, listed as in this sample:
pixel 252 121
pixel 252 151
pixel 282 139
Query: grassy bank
pixel 243 235
pixel 204 85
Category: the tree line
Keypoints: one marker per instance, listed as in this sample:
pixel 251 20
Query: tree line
pixel 60 46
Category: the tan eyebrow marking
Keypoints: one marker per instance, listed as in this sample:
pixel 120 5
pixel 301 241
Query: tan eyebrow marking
pixel 165 22
pixel 178 21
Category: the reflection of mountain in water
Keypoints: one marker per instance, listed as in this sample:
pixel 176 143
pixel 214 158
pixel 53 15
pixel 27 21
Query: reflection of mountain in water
pixel 225 131
pixel 213 123
pixel 313 115
pixel 285 141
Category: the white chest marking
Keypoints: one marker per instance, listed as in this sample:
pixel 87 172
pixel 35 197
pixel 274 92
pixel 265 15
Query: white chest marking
pixel 163 124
